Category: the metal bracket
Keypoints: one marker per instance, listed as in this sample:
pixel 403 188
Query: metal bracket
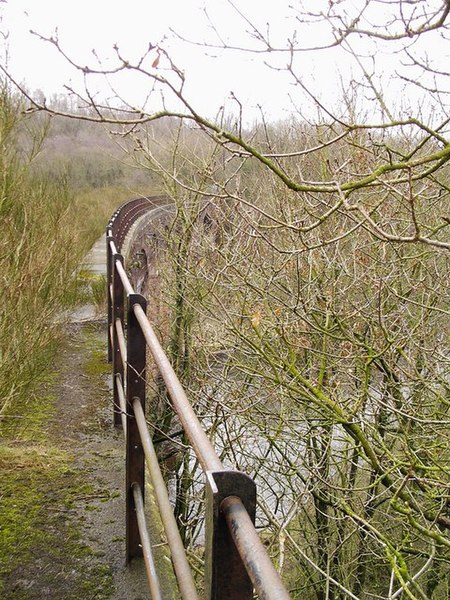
pixel 109 275
pixel 225 574
pixel 118 310
pixel 135 463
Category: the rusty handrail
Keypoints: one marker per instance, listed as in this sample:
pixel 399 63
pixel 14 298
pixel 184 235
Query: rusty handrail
pixel 180 562
pixel 122 402
pixel 236 560
pixel 152 576
pixel 200 442
pixel 258 565
pixel 123 276
pixel 121 341
pixel 126 214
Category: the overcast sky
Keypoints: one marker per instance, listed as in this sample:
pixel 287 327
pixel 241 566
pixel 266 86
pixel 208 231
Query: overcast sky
pixel 211 74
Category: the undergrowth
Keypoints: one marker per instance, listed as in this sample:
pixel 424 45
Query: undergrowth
pixel 46 231
pixel 38 252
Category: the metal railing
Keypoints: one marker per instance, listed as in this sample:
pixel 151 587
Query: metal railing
pixel 236 561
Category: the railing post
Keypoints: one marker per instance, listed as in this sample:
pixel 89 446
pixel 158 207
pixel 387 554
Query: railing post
pixel 136 350
pixel 109 275
pixel 117 314
pixel 225 574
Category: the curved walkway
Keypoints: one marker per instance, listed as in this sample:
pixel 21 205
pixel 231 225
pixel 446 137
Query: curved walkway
pixel 77 551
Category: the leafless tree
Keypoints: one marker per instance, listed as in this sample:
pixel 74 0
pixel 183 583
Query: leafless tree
pixel 309 301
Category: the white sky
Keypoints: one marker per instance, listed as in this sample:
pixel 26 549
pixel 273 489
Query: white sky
pixel 210 74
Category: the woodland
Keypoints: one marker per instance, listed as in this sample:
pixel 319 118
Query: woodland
pixel 302 291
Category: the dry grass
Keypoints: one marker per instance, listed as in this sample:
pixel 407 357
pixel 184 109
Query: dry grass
pixel 46 230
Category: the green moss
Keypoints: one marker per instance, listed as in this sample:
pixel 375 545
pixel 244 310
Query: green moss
pixel 25 472
pixel 39 491
pixel 97 360
pixel 85 275
pixel 33 428
pixel 22 471
pixel 99 585
pixel 97 363
pixel 42 500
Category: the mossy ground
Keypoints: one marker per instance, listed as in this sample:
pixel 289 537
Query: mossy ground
pixel 62 502
pixel 42 499
pixel 42 549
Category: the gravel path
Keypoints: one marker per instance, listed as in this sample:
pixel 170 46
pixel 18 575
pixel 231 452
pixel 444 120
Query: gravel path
pixel 85 410
pixel 84 419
